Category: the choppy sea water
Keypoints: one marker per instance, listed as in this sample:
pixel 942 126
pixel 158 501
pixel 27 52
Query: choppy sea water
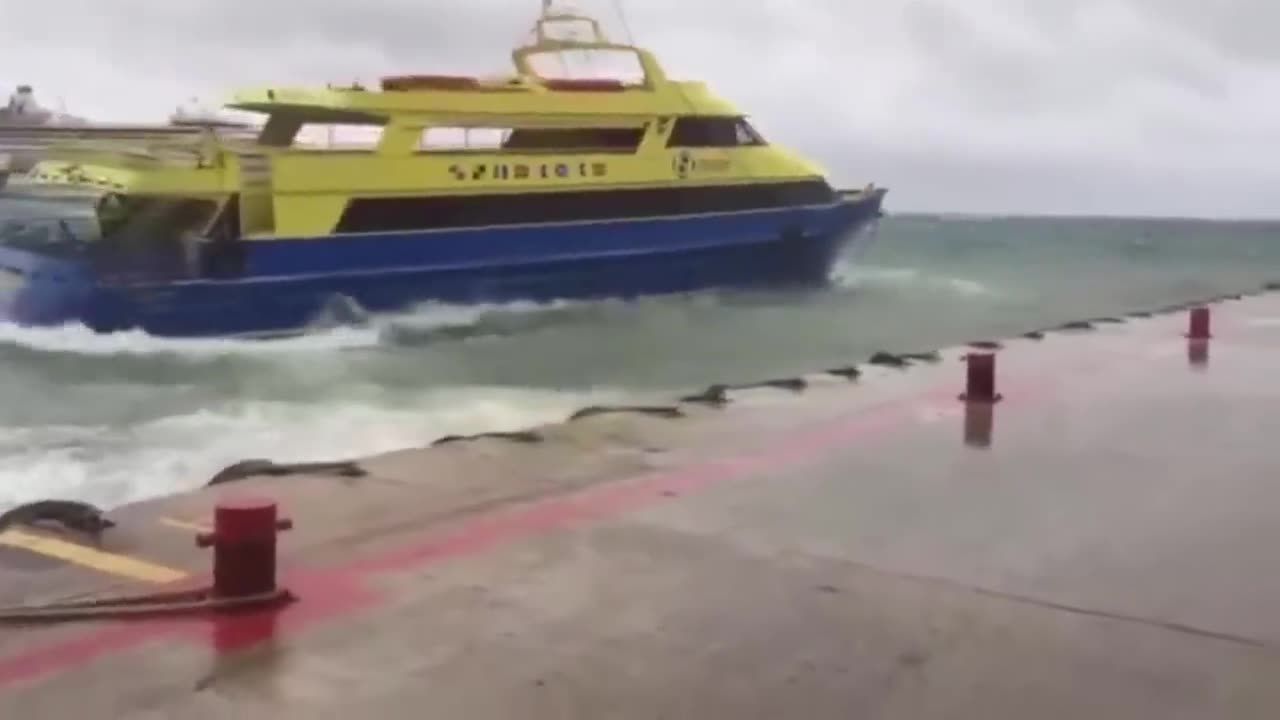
pixel 112 419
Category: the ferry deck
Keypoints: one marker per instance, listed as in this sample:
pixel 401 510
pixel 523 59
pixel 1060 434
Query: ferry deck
pixel 1095 544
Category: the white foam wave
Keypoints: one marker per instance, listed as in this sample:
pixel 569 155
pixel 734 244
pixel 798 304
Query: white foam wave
pixel 434 316
pixel 81 340
pixel 111 466
pixel 78 339
pixel 855 276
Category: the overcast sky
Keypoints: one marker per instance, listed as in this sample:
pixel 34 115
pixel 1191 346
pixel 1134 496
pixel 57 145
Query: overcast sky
pixel 1168 107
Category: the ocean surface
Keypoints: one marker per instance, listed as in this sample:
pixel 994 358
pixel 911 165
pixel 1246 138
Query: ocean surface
pixel 112 419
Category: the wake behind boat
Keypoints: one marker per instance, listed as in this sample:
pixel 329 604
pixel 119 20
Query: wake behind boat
pixel 457 189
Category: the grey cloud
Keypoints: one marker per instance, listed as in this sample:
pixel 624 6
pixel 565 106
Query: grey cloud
pixel 993 105
pixel 1244 29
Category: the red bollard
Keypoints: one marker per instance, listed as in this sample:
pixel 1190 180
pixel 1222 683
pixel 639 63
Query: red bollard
pixel 1198 353
pixel 979 424
pixel 244 547
pixel 980 385
pixel 1199 329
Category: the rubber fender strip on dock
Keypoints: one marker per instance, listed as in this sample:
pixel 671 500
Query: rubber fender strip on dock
pixel 110 563
pixel 140 607
pixel 792 384
pixel 1075 325
pixel 665 411
pixel 73 515
pixel 256 467
pixel 902 360
pixel 850 373
pixel 718 395
pixel 520 436
pixel 887 360
pixel 714 395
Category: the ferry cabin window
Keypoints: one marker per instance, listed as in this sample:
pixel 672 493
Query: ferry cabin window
pixel 151 220
pixel 311 133
pixel 149 236
pixel 347 137
pixel 719 132
pixel 398 214
pixel 460 139
pixel 588 140
pixel 613 140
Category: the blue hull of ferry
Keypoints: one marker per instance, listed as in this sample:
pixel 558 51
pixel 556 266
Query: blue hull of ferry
pixel 287 284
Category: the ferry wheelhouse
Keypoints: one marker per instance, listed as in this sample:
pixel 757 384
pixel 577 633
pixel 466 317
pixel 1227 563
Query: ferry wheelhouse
pixel 533 186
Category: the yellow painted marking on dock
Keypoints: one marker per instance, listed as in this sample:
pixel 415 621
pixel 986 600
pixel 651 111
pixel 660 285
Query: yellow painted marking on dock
pixel 184 525
pixel 88 557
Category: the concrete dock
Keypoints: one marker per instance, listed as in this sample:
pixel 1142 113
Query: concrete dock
pixel 1097 544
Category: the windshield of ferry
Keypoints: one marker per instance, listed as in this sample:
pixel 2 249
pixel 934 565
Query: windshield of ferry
pixel 596 64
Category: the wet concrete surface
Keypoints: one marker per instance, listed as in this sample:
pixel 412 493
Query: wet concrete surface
pixel 1095 545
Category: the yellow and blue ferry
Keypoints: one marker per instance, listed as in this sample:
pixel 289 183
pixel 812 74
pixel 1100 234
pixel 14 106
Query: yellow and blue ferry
pixel 531 186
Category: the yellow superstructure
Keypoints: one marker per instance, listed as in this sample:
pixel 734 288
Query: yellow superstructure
pixel 541 134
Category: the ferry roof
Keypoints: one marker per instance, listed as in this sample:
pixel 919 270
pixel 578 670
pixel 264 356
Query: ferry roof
pixel 366 105
pixel 527 92
pixel 1100 541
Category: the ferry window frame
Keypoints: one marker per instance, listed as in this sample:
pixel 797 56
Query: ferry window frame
pixel 282 128
pixel 331 144
pixel 466 145
pixel 628 140
pixel 702 131
pixel 140 213
pixel 753 136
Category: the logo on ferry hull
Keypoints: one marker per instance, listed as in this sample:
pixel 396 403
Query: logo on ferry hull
pixel 523 171
pixel 683 164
